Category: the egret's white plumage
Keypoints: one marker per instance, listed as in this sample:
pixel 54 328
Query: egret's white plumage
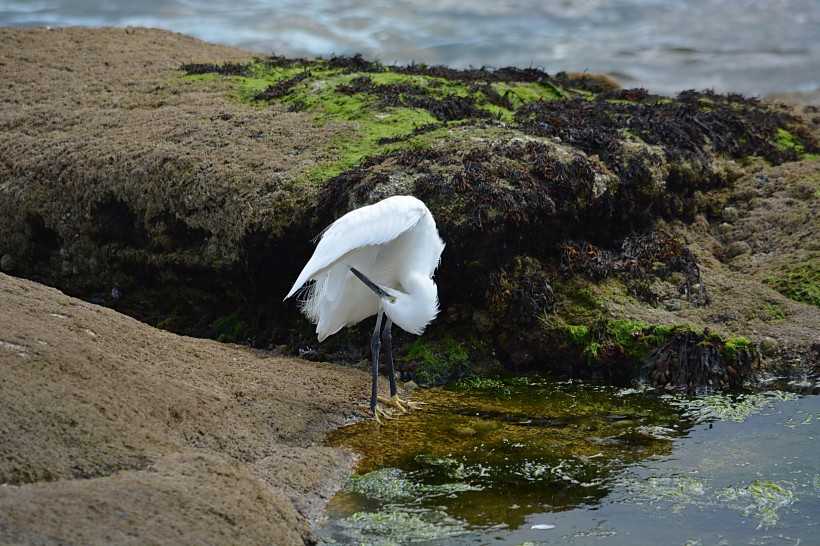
pixel 395 244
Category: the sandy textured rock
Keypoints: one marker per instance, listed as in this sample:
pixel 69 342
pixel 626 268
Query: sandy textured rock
pixel 154 174
pixel 114 432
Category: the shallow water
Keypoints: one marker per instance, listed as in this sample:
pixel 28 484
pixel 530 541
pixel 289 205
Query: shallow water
pixel 544 462
pixel 749 46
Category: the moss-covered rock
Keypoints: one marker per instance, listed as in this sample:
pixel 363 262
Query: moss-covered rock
pixel 185 189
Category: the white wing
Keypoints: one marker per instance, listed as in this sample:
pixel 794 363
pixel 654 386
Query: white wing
pixel 371 225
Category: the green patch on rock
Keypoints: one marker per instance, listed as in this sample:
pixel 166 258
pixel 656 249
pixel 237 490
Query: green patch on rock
pixel 231 327
pixel 800 283
pixel 387 108
pixel 787 141
pixel 733 347
pixel 677 355
pixel 436 361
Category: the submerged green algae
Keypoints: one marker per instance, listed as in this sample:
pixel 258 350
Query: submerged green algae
pixel 763 500
pixel 494 455
pixel 494 452
pixel 727 407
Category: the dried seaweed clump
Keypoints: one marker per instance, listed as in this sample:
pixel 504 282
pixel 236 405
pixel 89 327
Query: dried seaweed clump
pixel 446 108
pixel 640 258
pixel 226 69
pixel 516 184
pixel 686 127
pixel 691 360
pixel 281 88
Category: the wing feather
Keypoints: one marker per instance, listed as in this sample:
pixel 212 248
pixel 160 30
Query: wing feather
pixel 366 226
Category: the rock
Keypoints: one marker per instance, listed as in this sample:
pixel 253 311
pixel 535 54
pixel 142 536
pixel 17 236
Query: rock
pixel 483 321
pixel 769 346
pixel 410 386
pixel 212 443
pixel 737 248
pixel 730 215
pixel 724 229
pixel 7 262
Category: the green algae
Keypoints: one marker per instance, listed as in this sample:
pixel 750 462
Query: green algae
pixel 799 283
pixel 231 327
pixel 734 345
pixel 396 527
pixel 727 407
pixel 787 141
pixel 761 499
pixel 392 485
pixel 436 361
pixel 476 464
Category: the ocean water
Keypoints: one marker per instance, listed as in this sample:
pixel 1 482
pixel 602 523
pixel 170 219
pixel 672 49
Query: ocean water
pixel 754 47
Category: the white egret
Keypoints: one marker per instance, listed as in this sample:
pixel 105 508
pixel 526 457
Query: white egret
pixel 375 260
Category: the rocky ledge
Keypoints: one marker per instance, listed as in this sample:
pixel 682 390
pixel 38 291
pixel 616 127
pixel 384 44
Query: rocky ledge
pixel 590 230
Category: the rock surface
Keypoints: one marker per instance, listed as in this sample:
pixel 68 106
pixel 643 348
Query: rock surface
pixel 114 432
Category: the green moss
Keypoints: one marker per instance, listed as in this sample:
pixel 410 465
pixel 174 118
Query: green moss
pixel 579 334
pixel 437 361
pixel 230 328
pixel 776 314
pixel 635 339
pixel 733 345
pixel 629 334
pixel 800 283
pixel 375 129
pixel 784 140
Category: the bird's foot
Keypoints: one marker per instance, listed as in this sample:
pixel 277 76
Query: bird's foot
pixel 402 405
pixel 378 413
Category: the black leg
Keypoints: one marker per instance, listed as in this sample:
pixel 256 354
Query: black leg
pixel 375 347
pixel 387 338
